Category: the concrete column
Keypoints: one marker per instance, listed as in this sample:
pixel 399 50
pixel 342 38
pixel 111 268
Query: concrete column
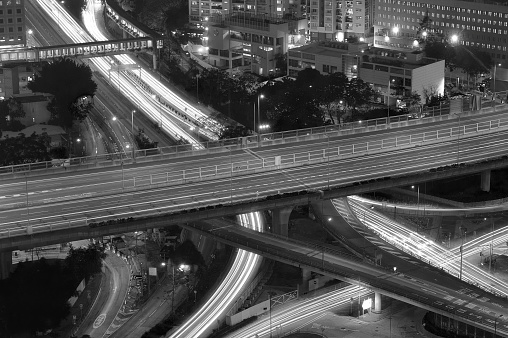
pixel 485 185
pixel 377 302
pixel 5 264
pixel 124 34
pixel 154 58
pixel 280 219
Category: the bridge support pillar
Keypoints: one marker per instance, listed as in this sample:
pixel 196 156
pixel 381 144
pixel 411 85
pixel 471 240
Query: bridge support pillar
pixel 280 219
pixel 377 302
pixel 485 183
pixel 124 34
pixel 154 58
pixel 5 264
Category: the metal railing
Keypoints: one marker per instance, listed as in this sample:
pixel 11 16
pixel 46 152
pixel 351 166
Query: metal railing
pixel 161 153
pixel 315 156
pixel 249 167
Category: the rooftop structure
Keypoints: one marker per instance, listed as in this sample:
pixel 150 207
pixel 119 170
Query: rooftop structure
pixel 391 72
pixel 249 41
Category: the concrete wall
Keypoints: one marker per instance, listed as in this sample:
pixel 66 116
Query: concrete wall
pixel 254 310
pixel 427 77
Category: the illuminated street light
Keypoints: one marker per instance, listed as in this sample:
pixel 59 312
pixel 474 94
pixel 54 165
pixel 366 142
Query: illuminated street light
pixel 387 38
pixel 395 30
pixel 415 43
pixel 114 118
pixel 424 34
pixel 454 38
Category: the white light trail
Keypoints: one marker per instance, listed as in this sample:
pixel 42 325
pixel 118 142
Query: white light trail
pixel 242 271
pixel 398 235
pixel 103 64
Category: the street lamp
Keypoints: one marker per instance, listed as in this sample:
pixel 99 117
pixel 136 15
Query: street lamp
pixel 494 86
pixel 395 30
pixel 388 100
pixel 418 205
pixel 260 96
pixel 132 132
pixel 424 34
pixel 458 138
pixel 495 324
pixel 454 38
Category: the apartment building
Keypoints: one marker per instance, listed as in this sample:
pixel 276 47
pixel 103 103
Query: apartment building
pixel 249 41
pixel 391 73
pixel 201 10
pixel 480 24
pixel 336 20
pixel 12 23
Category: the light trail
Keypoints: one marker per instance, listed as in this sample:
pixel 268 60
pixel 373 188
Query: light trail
pixel 242 271
pixel 245 263
pixel 418 245
pixel 299 310
pixel 184 107
pixel 103 64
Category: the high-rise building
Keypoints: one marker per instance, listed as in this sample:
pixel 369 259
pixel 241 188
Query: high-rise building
pixel 336 20
pixel 478 24
pixel 12 23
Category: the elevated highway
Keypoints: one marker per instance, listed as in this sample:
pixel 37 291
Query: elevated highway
pixel 245 180
pixel 430 288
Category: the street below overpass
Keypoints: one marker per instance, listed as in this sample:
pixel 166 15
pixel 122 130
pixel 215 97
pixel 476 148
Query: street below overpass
pixel 423 286
pixel 101 194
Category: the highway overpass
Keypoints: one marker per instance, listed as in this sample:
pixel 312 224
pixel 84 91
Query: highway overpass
pixel 237 181
pixel 428 287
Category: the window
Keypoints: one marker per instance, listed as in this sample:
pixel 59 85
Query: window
pixel 9 20
pixel 18 20
pixel 18 10
pixel 20 29
pixel 11 29
pixel 9 11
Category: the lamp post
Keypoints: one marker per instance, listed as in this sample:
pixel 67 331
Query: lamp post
pixel 491 246
pixel 157 99
pixel 260 96
pixel 495 324
pixel 418 199
pixel 458 138
pixel 197 86
pixel 494 86
pixel 132 132
pixel 388 100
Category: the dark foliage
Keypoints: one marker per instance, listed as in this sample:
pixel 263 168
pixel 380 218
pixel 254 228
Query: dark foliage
pixel 187 254
pixel 10 110
pixel 69 82
pixel 22 149
pixel 75 7
pixel 234 132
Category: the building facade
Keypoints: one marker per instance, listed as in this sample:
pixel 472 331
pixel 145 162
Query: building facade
pixel 391 73
pixel 327 57
pixel 478 24
pixel 200 11
pixel 336 20
pixel 12 23
pixel 249 41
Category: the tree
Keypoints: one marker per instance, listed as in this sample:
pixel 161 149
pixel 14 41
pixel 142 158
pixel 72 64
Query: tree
pixel 357 93
pixel 38 291
pixel 331 91
pixel 413 103
pixel 187 254
pixel 10 111
pixel 85 262
pixel 234 132
pixel 473 61
pixel 293 106
pixel 75 7
pixel 22 149
pixel 69 82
